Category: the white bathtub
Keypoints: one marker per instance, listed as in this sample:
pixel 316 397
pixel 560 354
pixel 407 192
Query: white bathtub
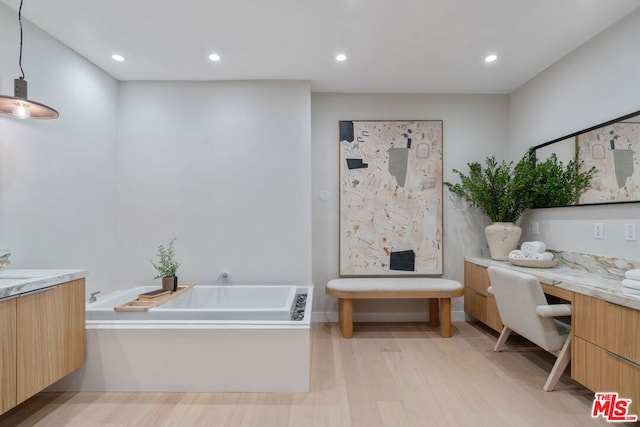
pixel 228 302
pixel 211 339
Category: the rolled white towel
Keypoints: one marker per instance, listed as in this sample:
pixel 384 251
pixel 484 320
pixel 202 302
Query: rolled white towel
pixel 633 284
pixel 534 246
pixel 516 254
pixel 633 274
pixel 535 256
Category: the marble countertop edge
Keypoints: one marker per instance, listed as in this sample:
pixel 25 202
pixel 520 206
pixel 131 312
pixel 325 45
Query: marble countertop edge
pixel 15 282
pixel 579 281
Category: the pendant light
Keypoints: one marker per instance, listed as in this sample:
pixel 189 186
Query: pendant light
pixel 18 105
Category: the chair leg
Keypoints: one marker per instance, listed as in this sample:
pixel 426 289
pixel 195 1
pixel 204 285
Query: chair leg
pixel 558 368
pixel 502 339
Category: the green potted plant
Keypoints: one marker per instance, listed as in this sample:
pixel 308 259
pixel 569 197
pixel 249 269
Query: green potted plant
pixel 501 192
pixel 556 184
pixel 504 192
pixel 167 266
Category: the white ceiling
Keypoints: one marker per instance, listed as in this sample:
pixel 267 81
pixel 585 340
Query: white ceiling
pixel 404 46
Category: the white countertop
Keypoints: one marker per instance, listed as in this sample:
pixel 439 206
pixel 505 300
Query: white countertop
pixel 581 281
pixel 16 282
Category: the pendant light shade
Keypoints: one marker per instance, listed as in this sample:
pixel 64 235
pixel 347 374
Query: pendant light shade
pixel 19 105
pixel 22 108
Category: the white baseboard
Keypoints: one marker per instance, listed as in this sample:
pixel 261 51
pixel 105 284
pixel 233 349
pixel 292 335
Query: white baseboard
pixel 332 316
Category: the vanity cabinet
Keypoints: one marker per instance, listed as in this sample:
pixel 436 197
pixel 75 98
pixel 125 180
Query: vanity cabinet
pixel 47 342
pixel 478 303
pixel 606 349
pixel 7 354
pixel 605 346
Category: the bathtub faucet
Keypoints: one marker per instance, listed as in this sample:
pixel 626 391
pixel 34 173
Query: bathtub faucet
pixel 222 277
pixel 93 297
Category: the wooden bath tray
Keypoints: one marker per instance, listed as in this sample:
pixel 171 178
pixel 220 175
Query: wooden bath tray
pixel 139 304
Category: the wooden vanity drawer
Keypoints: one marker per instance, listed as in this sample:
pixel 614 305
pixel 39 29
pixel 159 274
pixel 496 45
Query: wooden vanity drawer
pixel 589 317
pixel 607 325
pixel 623 336
pixel 603 371
pixel 477 301
pixel 476 277
pixel 593 368
pixel 7 354
pixel 631 386
pixel 493 315
pixel 475 304
pixel 50 341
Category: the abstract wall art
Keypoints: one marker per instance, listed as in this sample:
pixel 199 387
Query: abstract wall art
pixel 615 152
pixel 391 198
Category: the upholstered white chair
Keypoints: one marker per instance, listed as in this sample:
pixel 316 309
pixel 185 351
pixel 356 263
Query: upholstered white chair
pixel 524 310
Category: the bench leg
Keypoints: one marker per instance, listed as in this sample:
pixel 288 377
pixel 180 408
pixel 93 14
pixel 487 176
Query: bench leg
pixel 445 321
pixel 346 317
pixel 434 316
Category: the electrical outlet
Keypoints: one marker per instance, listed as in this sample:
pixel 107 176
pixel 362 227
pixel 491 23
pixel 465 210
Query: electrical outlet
pixel 598 230
pixel 630 232
pixel 535 228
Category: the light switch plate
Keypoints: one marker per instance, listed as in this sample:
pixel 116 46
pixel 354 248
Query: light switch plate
pixel 598 230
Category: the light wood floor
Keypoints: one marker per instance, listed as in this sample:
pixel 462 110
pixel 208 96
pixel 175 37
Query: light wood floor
pixel 386 375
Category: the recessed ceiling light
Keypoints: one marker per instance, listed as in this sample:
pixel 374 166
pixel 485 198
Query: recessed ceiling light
pixel 214 57
pixel 341 57
pixel 117 57
pixel 491 58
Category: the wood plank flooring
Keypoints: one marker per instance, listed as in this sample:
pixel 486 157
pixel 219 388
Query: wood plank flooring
pixel 386 375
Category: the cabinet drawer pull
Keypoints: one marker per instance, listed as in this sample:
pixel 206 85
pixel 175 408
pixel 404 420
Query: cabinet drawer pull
pixel 478 293
pixel 36 291
pixel 623 359
pixel 24 294
pixel 617 305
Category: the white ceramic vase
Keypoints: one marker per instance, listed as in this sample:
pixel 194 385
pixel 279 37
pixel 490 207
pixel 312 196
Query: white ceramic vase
pixel 502 237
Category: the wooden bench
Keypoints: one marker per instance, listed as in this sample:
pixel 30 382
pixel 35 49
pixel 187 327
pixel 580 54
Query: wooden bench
pixel 433 289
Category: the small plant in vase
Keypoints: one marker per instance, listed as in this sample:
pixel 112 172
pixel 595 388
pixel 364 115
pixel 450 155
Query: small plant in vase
pixel 167 266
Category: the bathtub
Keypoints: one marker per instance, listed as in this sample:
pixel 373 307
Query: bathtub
pixel 209 339
pixel 221 302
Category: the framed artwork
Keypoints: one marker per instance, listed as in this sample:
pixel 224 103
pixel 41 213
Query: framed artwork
pixel 614 150
pixel 390 198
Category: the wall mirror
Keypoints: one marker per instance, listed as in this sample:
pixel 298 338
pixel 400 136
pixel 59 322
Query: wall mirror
pixel 613 148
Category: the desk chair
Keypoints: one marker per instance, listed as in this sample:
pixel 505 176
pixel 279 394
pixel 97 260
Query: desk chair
pixel 524 310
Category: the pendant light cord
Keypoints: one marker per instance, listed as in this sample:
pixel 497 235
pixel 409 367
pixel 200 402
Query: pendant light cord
pixel 20 22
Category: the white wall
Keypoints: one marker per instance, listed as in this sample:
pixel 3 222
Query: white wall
pixel 597 82
pixel 57 178
pixel 474 126
pixel 223 166
pixel 228 167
